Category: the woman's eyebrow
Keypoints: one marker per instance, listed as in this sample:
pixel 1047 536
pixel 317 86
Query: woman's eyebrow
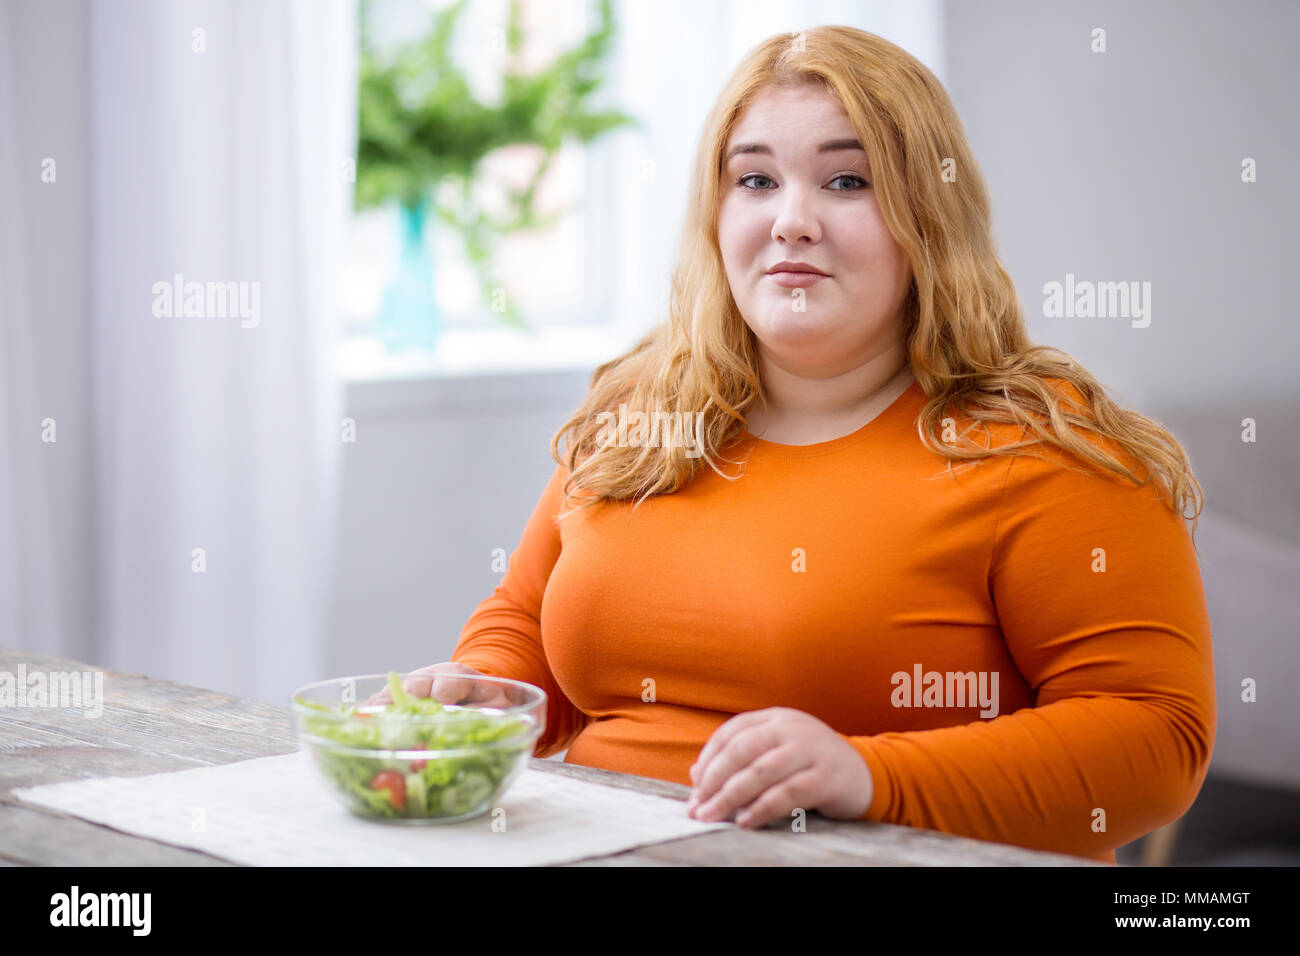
pixel 832 146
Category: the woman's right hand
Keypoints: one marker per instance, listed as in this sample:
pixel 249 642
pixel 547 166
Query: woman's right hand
pixel 450 683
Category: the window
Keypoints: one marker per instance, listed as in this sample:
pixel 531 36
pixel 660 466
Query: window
pixel 559 278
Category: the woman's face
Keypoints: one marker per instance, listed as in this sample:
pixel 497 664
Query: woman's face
pixel 794 189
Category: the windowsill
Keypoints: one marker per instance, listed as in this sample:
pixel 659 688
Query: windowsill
pixel 461 353
pixel 476 371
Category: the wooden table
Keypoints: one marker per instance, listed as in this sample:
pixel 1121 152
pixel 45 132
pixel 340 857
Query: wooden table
pixel 153 726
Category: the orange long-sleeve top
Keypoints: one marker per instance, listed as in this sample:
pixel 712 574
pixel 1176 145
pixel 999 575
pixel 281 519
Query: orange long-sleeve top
pixel 854 579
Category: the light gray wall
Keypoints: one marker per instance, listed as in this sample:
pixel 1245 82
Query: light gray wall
pixel 1127 165
pixel 442 473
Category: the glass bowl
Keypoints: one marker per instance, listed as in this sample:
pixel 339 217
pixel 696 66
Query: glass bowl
pixel 392 764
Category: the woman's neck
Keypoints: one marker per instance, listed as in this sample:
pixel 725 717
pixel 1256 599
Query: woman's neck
pixel 803 411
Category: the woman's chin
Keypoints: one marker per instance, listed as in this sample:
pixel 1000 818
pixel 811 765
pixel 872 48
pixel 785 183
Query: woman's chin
pixel 782 327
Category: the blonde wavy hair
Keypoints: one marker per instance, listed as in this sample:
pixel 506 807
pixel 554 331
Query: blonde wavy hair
pixel 964 333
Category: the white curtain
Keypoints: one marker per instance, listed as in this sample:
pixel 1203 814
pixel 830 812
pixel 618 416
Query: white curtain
pixel 220 135
pixel 29 612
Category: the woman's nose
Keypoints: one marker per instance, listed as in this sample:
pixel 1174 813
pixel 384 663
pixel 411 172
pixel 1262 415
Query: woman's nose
pixel 795 217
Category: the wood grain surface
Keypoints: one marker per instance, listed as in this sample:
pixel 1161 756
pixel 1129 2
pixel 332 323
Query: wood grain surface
pixel 152 726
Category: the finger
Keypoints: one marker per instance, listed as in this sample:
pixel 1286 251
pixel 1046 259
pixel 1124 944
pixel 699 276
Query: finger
pixel 749 782
pixel 416 682
pixel 381 696
pixel 490 693
pixel 750 743
pixel 780 800
pixel 419 682
pixel 497 701
pixel 721 737
pixel 451 688
pixel 418 686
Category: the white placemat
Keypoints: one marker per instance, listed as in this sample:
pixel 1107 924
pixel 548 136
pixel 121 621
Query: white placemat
pixel 275 811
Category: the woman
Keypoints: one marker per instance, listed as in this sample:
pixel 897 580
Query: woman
pixel 797 601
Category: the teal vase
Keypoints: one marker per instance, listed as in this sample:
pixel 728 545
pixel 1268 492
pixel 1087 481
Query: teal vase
pixel 408 318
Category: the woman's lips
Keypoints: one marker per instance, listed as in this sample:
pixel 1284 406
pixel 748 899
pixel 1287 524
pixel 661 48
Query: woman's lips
pixel 796 280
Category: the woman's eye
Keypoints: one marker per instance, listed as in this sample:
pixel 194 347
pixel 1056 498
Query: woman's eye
pixel 862 183
pixel 743 182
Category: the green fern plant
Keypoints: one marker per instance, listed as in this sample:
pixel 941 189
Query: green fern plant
pixel 420 125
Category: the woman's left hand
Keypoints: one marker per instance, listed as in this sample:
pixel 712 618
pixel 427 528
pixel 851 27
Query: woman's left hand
pixel 766 763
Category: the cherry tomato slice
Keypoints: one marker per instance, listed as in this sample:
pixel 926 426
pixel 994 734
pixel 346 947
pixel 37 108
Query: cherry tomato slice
pixel 394 783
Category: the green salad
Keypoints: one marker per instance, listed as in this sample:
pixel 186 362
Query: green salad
pixel 449 786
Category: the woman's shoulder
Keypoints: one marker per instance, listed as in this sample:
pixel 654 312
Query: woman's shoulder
pixel 1003 433
pixel 1080 422
pixel 1087 430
